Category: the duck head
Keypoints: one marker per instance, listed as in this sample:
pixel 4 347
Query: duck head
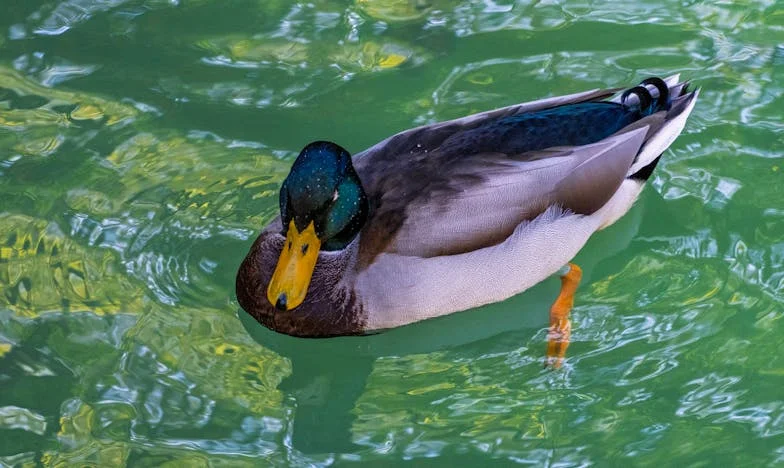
pixel 322 207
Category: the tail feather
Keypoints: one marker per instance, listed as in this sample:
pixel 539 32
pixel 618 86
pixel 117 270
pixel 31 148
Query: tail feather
pixel 662 101
pixel 648 102
pixel 645 172
pixel 680 103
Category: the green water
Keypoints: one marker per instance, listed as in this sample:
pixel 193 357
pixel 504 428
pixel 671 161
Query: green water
pixel 141 147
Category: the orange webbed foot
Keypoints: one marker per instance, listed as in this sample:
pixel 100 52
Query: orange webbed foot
pixel 560 325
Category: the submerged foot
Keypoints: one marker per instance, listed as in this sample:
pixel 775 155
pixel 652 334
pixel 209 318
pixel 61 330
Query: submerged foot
pixel 560 325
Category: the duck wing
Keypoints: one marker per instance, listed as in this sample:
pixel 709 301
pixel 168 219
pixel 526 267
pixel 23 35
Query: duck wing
pixel 466 184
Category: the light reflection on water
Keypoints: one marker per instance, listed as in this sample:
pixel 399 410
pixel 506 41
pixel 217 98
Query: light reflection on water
pixel 141 147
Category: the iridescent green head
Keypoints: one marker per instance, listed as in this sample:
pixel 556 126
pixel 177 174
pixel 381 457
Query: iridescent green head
pixel 322 207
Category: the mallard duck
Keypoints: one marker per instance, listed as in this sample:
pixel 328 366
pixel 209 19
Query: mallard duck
pixel 450 216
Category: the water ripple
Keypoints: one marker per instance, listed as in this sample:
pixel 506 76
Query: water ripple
pixel 69 14
pixel 13 417
pixel 138 161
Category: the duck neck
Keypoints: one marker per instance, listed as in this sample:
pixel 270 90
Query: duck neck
pixel 331 306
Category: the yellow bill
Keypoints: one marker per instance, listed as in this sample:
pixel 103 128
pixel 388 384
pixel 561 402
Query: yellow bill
pixel 289 284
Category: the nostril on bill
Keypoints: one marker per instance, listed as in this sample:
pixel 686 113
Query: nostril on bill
pixel 281 303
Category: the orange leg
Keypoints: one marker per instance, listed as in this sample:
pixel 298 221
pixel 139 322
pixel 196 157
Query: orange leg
pixel 560 326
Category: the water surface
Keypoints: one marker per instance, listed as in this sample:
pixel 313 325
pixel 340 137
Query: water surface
pixel 142 144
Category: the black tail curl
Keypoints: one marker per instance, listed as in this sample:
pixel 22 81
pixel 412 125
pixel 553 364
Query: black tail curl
pixel 648 104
